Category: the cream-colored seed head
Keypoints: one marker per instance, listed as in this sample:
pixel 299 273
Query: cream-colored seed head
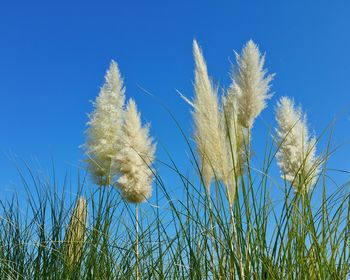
pixel 75 235
pixel 234 142
pixel 104 128
pixel 297 150
pixel 251 84
pixel 135 157
pixel 209 135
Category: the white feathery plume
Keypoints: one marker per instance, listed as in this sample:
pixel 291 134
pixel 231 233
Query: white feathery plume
pixel 74 240
pixel 208 135
pixel 104 128
pixel 296 155
pixel 234 142
pixel 234 151
pixel 135 157
pixel 251 84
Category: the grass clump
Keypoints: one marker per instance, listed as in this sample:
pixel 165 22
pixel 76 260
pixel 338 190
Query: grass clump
pixel 224 223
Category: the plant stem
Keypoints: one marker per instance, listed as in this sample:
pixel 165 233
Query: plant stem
pixel 137 241
pixel 235 237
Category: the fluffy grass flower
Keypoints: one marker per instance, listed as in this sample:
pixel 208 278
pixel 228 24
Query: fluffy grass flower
pixel 233 143
pixel 251 84
pixel 74 240
pixel 135 157
pixel 296 155
pixel 104 128
pixel 209 135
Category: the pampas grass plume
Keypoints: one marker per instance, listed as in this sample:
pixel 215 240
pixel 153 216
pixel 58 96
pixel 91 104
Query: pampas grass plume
pixel 75 235
pixel 251 84
pixel 104 128
pixel 296 155
pixel 209 135
pixel 234 143
pixel 135 157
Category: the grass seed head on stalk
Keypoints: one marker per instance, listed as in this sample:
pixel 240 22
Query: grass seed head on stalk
pixel 233 133
pixel 209 135
pixel 296 154
pixel 135 157
pixel 251 84
pixel 75 235
pixel 104 128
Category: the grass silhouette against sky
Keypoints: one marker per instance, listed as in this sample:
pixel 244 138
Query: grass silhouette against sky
pixel 52 62
pixel 54 56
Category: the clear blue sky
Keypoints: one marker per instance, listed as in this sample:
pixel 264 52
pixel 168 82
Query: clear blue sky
pixel 53 56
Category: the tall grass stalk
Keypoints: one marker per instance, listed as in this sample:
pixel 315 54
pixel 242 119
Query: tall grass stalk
pixel 137 240
pixel 269 232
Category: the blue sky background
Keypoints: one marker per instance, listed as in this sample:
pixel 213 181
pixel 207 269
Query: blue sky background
pixel 53 57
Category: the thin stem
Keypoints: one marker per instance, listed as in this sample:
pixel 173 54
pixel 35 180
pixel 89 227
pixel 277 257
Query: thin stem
pixel 137 241
pixel 235 237
pixel 212 236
